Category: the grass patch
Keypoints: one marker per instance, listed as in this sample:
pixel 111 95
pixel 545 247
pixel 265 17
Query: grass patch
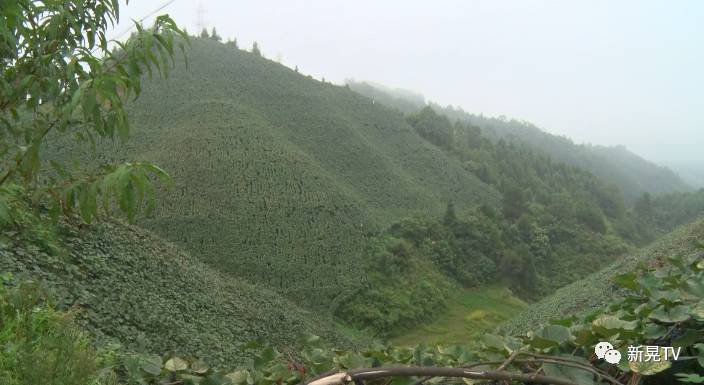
pixel 470 312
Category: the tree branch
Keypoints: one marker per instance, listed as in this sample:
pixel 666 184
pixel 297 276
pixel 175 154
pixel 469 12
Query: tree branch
pixel 377 373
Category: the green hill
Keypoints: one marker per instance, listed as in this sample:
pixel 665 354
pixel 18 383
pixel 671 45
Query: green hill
pixel 630 172
pixel 130 286
pixel 596 290
pixel 279 177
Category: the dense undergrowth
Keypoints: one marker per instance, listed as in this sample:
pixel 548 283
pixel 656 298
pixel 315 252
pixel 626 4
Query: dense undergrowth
pixel 41 345
pixel 661 304
pixel 595 290
pixel 134 288
pixel 555 225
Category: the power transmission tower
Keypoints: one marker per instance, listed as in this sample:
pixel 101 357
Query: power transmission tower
pixel 200 17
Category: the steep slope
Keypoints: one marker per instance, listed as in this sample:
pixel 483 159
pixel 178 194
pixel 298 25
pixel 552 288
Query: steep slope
pixel 630 172
pixel 278 177
pixel 596 290
pixel 131 286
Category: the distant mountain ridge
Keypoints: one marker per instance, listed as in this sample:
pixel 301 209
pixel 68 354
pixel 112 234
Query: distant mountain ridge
pixel 633 174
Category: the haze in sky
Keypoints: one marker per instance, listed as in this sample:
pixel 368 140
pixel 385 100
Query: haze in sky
pixel 602 72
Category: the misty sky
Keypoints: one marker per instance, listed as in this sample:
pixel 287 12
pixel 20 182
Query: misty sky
pixel 603 72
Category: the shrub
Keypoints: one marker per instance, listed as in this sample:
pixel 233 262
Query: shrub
pixel 39 344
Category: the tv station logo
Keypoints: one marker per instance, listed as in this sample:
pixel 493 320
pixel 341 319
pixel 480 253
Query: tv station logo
pixel 640 353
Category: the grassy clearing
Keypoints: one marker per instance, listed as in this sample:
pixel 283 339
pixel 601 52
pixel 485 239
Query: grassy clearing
pixel 470 313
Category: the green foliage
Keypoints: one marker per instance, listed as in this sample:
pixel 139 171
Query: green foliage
pixel 402 290
pixel 661 306
pixel 214 35
pixel 277 177
pixel 615 165
pixel 563 348
pixel 437 130
pixel 19 223
pixel 412 269
pixel 61 79
pixel 671 210
pixel 470 314
pixel 136 289
pixel 594 290
pixel 41 346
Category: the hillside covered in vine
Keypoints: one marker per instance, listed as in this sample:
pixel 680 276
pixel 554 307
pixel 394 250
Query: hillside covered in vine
pixel 181 211
pixel 279 177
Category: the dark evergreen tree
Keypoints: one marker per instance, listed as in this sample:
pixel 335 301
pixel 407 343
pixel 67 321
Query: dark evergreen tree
pixel 204 34
pixel 255 49
pixel 214 35
pixel 450 218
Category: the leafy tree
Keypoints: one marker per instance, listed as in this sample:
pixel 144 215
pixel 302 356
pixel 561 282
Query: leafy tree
pixel 513 202
pixel 450 217
pixel 644 207
pixel 61 78
pixel 437 129
pixel 592 217
pixel 255 49
pixel 232 43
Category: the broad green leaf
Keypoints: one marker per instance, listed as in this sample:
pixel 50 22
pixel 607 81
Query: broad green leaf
pixel 176 364
pixel 494 341
pixel 577 375
pixel 556 333
pixel 649 368
pixel 608 325
pixel 648 282
pixel 676 314
pixel 691 378
pixel 688 337
pixel 654 331
pixel 700 353
pixel 238 377
pixel 694 287
pixel 698 311
pixel 199 367
pixel 700 265
pixel 151 364
pixel 353 360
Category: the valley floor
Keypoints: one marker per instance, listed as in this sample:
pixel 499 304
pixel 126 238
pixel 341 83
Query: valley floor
pixel 470 313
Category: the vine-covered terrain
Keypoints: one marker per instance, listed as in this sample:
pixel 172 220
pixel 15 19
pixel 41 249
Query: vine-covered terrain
pixel 127 285
pixel 283 230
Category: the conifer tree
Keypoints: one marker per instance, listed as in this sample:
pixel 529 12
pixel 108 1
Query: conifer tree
pixel 214 35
